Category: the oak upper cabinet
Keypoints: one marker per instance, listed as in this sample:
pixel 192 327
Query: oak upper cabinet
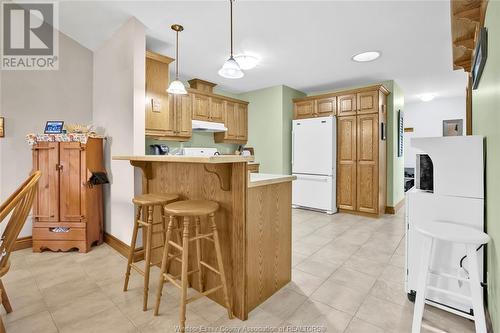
pixel 326 107
pixel 367 101
pixel 236 121
pixel 201 107
pixel 347 162
pixel 347 105
pixel 304 109
pixel 183 112
pixel 242 110
pixel 216 109
pixel 160 118
pixel 367 157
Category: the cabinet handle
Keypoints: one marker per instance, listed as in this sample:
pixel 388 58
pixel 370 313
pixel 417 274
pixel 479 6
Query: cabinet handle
pixel 40 216
pixel 59 167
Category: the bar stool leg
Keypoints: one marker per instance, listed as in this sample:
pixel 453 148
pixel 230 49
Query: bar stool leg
pixel 476 290
pixel 184 275
pixel 147 259
pixel 218 252
pixel 164 265
pixel 418 311
pixel 132 248
pixel 198 254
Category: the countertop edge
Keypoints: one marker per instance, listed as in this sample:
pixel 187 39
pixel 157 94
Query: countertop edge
pixel 186 159
pixel 272 181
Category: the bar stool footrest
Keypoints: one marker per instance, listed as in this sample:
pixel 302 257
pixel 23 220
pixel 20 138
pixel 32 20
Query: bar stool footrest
pixel 205 293
pixel 209 267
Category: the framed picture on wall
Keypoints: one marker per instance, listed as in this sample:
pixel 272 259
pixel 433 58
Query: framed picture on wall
pixel 453 127
pixel 480 55
pixel 2 133
pixel 401 130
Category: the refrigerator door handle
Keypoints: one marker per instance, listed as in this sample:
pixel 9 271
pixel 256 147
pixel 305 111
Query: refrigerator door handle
pixel 315 178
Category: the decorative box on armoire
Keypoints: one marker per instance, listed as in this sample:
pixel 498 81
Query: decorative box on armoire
pixel 68 208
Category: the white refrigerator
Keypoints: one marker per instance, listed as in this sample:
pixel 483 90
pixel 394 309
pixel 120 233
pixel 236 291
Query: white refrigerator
pixel 314 159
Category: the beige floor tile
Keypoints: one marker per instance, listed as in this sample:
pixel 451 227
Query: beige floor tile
pixel 256 318
pixel 359 326
pixel 109 321
pixel 208 309
pixel 352 279
pixel 304 248
pixel 321 269
pixel 274 304
pixel 312 313
pixel 390 291
pixel 304 283
pixel 393 274
pixel 397 260
pixel 81 308
pixel 363 265
pixel 354 236
pixel 332 230
pixel 297 258
pixel 334 253
pixel 25 304
pixel 373 255
pixel 37 323
pixel 387 315
pixel 68 291
pixel 339 297
pixel 315 241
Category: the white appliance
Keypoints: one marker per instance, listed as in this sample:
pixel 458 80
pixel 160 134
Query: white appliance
pixel 314 159
pixel 207 126
pixel 458 196
pixel 192 151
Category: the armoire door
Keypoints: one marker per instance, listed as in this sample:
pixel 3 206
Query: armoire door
pixel 346 105
pixel 346 170
pixel 72 181
pixel 368 102
pixel 367 175
pixel 46 160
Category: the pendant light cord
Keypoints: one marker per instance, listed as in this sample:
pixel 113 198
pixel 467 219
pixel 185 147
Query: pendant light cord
pixel 177 55
pixel 231 8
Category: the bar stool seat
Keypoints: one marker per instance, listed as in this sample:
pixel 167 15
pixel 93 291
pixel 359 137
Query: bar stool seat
pixel 145 204
pixel 460 234
pixel 192 208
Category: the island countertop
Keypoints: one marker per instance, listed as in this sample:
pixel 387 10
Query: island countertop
pixel 261 179
pixel 216 159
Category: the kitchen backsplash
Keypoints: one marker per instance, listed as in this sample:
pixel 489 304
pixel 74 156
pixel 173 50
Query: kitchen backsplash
pixel 199 139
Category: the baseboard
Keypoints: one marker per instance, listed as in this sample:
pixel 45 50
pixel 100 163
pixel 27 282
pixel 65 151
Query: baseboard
pixel 22 243
pixel 393 210
pixel 122 248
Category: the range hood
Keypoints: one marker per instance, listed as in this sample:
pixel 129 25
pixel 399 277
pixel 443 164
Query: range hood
pixel 208 126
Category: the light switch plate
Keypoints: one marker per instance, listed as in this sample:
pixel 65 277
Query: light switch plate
pixel 155 105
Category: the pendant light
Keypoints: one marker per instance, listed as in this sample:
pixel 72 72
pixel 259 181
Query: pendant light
pixel 231 69
pixel 176 86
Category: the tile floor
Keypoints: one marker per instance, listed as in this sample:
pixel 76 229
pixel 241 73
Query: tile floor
pixel 348 276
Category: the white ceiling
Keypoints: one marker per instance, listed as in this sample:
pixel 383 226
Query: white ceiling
pixel 306 45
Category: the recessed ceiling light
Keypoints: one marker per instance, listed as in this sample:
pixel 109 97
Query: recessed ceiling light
pixel 246 61
pixel 427 97
pixel 366 56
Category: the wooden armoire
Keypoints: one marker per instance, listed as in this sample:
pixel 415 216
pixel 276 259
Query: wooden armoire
pixel 361 144
pixel 68 210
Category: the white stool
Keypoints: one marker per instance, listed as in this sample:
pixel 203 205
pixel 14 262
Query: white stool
pixel 456 233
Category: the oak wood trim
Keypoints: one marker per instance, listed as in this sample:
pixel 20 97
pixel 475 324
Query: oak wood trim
pixel 392 210
pixel 22 243
pixel 122 248
pixel 208 94
pixel 159 57
pixel 380 87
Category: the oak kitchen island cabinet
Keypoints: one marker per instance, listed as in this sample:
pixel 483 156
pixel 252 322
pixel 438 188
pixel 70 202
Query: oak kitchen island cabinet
pixel 254 220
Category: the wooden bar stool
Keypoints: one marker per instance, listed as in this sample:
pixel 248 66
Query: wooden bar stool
pixel 191 209
pixel 457 233
pixel 145 204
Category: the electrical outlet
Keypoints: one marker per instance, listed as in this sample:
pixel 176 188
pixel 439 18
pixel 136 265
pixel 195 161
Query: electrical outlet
pixel 155 105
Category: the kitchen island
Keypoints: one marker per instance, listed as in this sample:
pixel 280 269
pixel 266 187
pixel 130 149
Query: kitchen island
pixel 254 220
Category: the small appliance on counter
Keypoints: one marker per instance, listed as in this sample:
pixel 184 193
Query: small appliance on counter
pixel 158 149
pixel 192 151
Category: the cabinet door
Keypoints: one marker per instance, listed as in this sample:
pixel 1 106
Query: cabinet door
pixel 304 109
pixel 242 122
pixel 72 181
pixel 231 120
pixel 216 109
pixel 201 104
pixel 160 118
pixel 346 105
pixel 346 173
pixel 367 177
pixel 46 160
pixel 368 102
pixel 326 107
pixel 183 111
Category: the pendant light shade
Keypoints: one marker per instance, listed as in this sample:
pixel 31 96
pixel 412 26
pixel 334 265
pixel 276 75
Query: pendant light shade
pixel 176 86
pixel 231 69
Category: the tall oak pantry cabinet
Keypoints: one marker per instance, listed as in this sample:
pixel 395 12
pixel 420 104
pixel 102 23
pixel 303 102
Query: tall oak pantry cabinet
pixel 67 210
pixel 361 145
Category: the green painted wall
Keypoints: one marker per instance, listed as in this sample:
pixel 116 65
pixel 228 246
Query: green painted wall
pixel 395 164
pixel 486 122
